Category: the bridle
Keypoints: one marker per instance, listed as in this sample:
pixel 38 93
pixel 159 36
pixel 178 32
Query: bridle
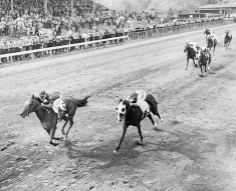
pixel 34 101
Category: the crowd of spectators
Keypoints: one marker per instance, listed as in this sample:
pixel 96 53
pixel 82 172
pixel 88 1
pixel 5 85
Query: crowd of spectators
pixel 29 25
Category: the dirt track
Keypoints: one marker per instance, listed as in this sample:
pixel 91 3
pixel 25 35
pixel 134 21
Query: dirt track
pixel 193 151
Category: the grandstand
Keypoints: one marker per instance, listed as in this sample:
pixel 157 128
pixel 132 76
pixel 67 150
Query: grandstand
pixel 32 24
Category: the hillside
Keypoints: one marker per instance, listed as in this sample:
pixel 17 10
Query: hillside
pixel 162 5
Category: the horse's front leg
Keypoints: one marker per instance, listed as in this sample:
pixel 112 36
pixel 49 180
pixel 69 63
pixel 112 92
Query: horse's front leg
pixel 201 70
pixel 140 134
pixel 122 138
pixel 195 65
pixel 187 63
pixel 52 133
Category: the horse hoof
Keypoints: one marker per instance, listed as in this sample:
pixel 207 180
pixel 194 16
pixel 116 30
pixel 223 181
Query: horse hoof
pixel 155 128
pixel 54 144
pixel 58 138
pixel 139 143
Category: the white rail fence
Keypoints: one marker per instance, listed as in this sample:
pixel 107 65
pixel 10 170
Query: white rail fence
pixel 32 54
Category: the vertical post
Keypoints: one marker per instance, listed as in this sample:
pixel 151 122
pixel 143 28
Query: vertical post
pixel 12 8
pixel 45 7
pixel 72 7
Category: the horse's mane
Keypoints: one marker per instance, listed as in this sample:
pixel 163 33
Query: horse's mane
pixel 36 98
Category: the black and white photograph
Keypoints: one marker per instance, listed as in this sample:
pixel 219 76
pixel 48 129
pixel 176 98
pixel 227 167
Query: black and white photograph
pixel 117 95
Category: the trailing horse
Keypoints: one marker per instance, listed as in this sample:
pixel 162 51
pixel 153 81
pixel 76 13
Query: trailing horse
pixel 191 54
pixel 49 118
pixel 205 60
pixel 227 40
pixel 211 43
pixel 133 115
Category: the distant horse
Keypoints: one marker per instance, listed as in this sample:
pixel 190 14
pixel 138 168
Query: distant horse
pixel 211 43
pixel 205 60
pixel 191 54
pixel 227 40
pixel 133 115
pixel 49 118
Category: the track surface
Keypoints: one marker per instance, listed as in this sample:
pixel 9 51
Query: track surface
pixel 194 150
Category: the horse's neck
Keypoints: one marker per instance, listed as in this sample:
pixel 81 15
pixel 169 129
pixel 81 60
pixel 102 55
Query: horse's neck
pixel 130 113
pixel 41 113
pixel 191 51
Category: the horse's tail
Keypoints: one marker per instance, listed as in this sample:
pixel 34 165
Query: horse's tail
pixel 152 102
pixel 83 102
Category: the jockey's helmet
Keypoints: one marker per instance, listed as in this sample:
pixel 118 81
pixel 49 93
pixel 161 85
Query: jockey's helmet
pixel 133 97
pixel 205 49
pixel 42 94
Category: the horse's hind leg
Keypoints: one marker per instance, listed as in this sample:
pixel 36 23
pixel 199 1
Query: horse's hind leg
pixel 152 120
pixel 155 112
pixel 140 134
pixel 214 49
pixel 122 138
pixel 63 127
pixel 71 124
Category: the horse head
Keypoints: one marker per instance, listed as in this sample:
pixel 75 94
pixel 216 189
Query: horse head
pixel 207 31
pixel 30 106
pixel 187 47
pixel 204 54
pixel 122 109
pixel 209 41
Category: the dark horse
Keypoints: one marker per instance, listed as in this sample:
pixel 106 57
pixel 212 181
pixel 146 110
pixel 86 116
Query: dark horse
pixel 205 60
pixel 227 40
pixel 211 43
pixel 49 118
pixel 133 115
pixel 191 54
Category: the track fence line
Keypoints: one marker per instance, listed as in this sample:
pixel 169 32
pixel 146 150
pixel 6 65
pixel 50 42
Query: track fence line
pixel 16 54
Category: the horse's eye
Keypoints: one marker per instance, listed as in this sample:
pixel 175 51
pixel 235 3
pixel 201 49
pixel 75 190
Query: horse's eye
pixel 123 110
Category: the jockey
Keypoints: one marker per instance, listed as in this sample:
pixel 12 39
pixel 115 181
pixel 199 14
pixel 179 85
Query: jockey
pixel 228 36
pixel 206 52
pixel 195 47
pixel 213 35
pixel 138 98
pixel 53 100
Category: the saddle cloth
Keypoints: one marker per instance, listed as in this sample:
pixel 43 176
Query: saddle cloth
pixel 59 104
pixel 141 96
